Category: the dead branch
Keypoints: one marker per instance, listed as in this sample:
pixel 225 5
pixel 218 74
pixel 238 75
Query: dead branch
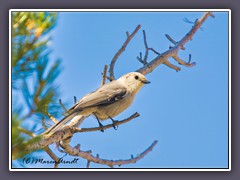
pixel 64 133
pixel 112 64
pixel 147 49
pixel 172 52
pixel 182 62
pixel 173 41
pixel 104 75
pixel 64 108
pixel 170 65
pixel 96 159
pixel 53 156
pixel 118 123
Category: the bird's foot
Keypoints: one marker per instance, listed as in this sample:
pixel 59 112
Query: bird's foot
pixel 114 123
pixel 101 126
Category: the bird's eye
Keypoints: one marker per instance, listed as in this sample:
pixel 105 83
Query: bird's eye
pixel 136 77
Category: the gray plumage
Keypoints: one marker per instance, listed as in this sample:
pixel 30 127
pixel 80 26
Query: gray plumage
pixel 107 101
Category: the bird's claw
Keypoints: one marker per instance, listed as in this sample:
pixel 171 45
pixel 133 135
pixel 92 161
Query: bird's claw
pixel 101 127
pixel 114 124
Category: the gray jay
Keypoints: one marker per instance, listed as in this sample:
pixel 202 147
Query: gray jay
pixel 107 101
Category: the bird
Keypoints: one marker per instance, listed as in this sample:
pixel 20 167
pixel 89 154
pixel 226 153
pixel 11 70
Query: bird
pixel 107 101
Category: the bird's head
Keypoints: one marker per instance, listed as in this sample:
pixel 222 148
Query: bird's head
pixel 134 81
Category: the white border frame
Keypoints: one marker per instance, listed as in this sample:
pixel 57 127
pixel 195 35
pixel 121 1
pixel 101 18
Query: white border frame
pixel 124 10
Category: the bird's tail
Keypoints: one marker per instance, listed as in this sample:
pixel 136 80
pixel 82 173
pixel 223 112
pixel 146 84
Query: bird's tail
pixel 62 122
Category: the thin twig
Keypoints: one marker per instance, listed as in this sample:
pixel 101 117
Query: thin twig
pixel 113 61
pixel 66 132
pixel 180 61
pixel 148 68
pixel 88 164
pixel 147 49
pixel 29 133
pixel 111 163
pixel 117 123
pixel 189 59
pixel 167 63
pixel 104 75
pixel 60 102
pixel 153 50
pixel 170 39
pixel 53 156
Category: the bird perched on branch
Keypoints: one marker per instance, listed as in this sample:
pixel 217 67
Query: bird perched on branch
pixel 107 101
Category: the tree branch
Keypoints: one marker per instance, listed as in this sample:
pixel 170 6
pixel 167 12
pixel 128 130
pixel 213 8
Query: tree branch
pixel 66 132
pixel 173 41
pixel 117 123
pixel 144 60
pixel 112 64
pixel 104 75
pixel 170 65
pixel 96 159
pixel 172 52
pixel 52 155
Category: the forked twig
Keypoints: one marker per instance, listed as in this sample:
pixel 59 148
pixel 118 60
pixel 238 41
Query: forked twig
pixel 113 61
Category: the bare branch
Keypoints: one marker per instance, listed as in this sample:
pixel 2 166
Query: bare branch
pixel 104 75
pixel 88 163
pixel 96 159
pixel 53 156
pixel 112 64
pixel 144 60
pixel 180 61
pixel 117 123
pixel 148 68
pixel 29 133
pixel 189 59
pixel 66 132
pixel 140 60
pixel 172 41
pixel 167 63
pixel 153 50
pixel 147 49
pixel 60 102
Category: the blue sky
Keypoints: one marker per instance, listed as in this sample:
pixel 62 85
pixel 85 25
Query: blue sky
pixel 186 111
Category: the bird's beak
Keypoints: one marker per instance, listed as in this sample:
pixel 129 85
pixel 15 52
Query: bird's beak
pixel 146 81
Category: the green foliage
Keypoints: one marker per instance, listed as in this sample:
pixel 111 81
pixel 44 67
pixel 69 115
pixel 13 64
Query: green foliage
pixel 33 74
pixel 17 137
pixel 29 40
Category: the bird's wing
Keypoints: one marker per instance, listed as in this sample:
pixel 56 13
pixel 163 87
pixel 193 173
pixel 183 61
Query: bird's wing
pixel 105 95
